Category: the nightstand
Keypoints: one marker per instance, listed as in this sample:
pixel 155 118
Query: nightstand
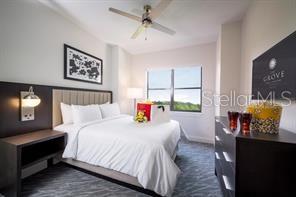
pixel 22 151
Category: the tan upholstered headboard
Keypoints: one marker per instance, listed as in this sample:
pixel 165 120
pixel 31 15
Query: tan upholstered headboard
pixel 75 97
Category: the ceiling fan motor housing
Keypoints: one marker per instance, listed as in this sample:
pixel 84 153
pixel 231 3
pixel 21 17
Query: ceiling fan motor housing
pixel 147 8
pixel 146 20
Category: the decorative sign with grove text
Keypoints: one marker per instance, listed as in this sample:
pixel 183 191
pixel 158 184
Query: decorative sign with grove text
pixel 274 72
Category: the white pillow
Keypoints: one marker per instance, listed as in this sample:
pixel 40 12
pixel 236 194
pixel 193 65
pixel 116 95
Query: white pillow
pixel 66 113
pixel 109 110
pixel 82 114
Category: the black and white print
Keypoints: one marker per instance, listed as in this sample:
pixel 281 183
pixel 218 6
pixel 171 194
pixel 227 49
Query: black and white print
pixel 82 66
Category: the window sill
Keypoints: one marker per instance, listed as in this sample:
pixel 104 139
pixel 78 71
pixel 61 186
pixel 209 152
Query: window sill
pixel 186 113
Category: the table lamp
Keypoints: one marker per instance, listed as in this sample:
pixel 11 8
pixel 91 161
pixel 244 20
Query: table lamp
pixel 135 93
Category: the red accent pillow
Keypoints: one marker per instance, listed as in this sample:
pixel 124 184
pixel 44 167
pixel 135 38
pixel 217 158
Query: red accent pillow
pixel 146 108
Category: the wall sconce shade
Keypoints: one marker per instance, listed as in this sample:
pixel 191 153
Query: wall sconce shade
pixel 28 101
pixel 31 101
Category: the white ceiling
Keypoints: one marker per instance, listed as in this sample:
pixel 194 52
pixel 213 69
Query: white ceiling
pixel 195 21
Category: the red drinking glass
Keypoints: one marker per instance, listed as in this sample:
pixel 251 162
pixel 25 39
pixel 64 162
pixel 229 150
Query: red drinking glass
pixel 245 121
pixel 232 117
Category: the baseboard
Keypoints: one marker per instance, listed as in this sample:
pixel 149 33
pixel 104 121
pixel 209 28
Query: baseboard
pixel 196 138
pixel 200 139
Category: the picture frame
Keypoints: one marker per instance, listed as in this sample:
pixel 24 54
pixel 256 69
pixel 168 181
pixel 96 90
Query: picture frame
pixel 82 66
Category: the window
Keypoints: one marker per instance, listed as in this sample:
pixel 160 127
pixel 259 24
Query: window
pixel 180 88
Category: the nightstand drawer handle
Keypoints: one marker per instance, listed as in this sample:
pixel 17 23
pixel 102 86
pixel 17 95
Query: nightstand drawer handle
pixel 217 138
pixel 227 158
pixel 226 182
pixel 226 131
pixel 217 155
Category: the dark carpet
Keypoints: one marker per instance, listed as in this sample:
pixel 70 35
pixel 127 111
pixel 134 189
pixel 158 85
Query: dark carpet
pixel 196 161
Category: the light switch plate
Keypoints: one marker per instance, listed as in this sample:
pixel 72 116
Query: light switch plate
pixel 27 113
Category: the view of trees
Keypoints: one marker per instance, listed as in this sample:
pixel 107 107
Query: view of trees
pixel 186 106
pixel 181 106
pixel 184 83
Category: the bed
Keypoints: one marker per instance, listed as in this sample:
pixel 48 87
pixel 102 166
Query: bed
pixel 138 154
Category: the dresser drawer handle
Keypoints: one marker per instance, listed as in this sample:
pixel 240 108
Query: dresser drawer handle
pixel 226 131
pixel 226 182
pixel 217 155
pixel 217 138
pixel 227 158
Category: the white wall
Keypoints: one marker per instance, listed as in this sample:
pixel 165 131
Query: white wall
pixel 227 67
pixel 197 126
pixel 265 24
pixel 31 45
pixel 229 63
pixel 121 77
pixel 218 72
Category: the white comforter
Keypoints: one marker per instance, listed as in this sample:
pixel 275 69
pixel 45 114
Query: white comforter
pixel 140 150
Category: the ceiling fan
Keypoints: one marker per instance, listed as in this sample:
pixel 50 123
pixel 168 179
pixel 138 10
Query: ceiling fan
pixel 148 17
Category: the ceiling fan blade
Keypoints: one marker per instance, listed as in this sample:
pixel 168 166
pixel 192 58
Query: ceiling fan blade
pixel 140 29
pixel 122 13
pixel 162 28
pixel 155 12
pixel 137 11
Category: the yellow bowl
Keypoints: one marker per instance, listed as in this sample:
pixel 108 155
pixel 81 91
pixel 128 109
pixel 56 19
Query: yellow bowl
pixel 265 110
pixel 265 116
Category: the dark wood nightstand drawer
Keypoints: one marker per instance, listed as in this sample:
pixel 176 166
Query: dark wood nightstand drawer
pixel 227 141
pixel 228 171
pixel 226 187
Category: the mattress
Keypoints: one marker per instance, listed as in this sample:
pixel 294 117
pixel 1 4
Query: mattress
pixel 143 151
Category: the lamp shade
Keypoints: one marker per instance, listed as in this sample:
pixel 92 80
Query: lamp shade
pixel 135 93
pixel 30 100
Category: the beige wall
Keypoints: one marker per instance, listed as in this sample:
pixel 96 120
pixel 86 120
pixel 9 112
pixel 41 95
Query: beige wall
pixel 218 73
pixel 265 24
pixel 121 78
pixel 197 126
pixel 31 45
pixel 228 67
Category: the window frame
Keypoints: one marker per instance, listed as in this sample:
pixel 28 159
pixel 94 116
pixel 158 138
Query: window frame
pixel 172 91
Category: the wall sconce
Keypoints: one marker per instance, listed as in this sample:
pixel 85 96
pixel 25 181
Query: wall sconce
pixel 28 101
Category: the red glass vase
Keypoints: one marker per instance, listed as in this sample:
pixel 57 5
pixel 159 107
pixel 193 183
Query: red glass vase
pixel 232 117
pixel 245 121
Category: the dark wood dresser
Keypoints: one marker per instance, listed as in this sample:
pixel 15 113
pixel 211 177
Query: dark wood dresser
pixel 256 164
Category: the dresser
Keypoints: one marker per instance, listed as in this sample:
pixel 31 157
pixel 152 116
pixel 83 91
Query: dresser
pixel 256 164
